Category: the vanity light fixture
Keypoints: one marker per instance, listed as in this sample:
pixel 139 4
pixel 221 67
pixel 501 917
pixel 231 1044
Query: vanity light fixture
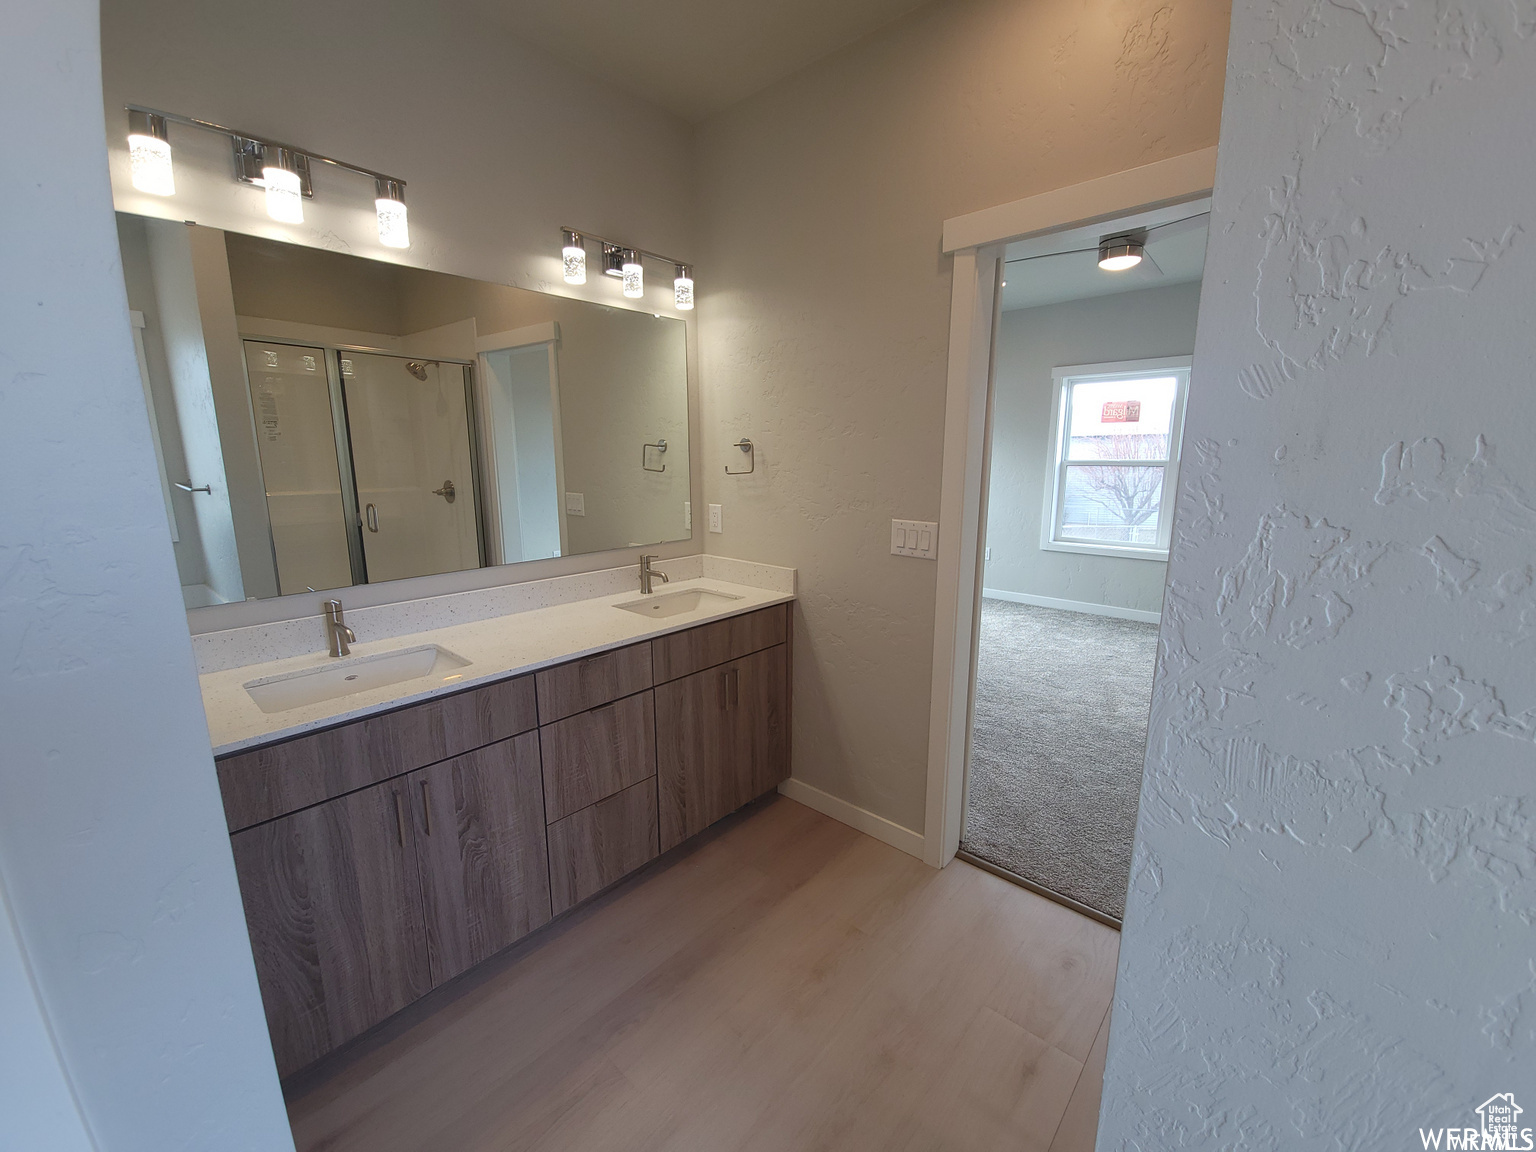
pixel 285 192
pixel 574 257
pixel 389 202
pixel 149 154
pixel 1119 253
pixel 634 275
pixel 625 264
pixel 281 170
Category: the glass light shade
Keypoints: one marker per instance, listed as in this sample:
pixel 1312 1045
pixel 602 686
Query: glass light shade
pixel 394 231
pixel 682 289
pixel 575 259
pixel 150 160
pixel 1119 255
pixel 285 198
pixel 634 276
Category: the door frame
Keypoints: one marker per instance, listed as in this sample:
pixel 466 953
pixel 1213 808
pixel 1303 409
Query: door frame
pixel 977 242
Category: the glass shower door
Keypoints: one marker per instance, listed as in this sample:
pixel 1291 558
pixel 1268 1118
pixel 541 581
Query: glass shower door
pixel 408 421
pixel 296 439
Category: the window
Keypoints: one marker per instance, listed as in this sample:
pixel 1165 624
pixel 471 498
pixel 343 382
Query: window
pixel 1115 458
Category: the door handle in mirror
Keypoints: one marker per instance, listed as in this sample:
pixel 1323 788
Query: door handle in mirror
pixel 446 491
pixel 371 514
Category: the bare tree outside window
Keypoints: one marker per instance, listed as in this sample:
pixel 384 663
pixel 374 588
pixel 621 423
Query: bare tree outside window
pixel 1130 495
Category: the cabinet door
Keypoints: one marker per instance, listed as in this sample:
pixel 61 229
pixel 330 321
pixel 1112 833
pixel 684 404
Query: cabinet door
pixel 601 844
pixel 333 904
pixel 721 740
pixel 480 842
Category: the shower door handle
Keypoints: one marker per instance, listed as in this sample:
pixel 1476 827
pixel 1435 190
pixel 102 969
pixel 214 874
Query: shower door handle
pixel 372 517
pixel 446 491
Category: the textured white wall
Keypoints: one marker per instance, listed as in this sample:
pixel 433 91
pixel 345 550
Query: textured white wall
pixel 1332 919
pixel 824 312
pixel 1031 342
pixel 113 846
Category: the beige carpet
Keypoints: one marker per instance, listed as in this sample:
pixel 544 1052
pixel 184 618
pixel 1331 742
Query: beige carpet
pixel 1057 748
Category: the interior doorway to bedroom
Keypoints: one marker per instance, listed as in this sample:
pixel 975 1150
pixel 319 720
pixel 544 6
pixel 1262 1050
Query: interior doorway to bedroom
pixel 1092 359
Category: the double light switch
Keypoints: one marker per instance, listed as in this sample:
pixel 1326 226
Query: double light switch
pixel 915 538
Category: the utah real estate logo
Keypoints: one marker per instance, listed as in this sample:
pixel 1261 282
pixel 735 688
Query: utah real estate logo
pixel 1499 1127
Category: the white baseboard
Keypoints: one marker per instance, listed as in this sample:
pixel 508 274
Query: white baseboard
pixel 852 815
pixel 1075 606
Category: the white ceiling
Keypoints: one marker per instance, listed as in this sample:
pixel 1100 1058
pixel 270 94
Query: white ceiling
pixel 1066 265
pixel 693 57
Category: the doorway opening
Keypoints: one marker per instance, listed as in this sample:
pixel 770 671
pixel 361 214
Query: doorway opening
pixel 1089 379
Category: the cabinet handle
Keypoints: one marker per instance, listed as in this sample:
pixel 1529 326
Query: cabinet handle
pixel 426 807
pixel 725 691
pixel 399 821
pixel 735 675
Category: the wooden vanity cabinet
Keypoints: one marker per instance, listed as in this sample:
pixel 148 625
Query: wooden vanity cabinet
pixel 380 858
pixel 722 740
pixel 333 903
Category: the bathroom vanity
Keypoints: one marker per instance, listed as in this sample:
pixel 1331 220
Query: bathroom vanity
pixel 385 854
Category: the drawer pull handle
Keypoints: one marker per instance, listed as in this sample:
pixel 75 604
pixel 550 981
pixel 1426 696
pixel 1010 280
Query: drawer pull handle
pixel 426 807
pixel 399 821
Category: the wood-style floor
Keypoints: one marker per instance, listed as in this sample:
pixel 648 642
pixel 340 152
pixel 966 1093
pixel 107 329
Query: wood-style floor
pixel 782 983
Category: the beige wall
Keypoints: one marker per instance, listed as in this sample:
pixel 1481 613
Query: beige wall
pixel 825 304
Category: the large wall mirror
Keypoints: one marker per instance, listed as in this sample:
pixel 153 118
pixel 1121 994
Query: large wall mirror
pixel 324 420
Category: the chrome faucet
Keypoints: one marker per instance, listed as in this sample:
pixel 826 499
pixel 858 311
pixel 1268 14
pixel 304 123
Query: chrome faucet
pixel 336 630
pixel 648 574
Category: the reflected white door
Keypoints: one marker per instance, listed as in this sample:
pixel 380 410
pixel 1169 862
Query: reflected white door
pixel 408 421
pixel 291 400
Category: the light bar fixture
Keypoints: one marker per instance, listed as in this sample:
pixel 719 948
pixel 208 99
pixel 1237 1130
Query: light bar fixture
pixel 573 256
pixel 1119 253
pixel 389 205
pixel 625 264
pixel 634 274
pixel 149 154
pixel 281 170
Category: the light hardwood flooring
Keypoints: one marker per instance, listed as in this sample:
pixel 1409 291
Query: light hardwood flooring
pixel 781 983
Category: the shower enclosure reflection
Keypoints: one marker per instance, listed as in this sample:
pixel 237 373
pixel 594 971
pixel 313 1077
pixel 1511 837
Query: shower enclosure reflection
pixel 325 420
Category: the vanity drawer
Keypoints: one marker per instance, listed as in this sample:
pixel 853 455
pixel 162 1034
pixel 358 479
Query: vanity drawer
pixel 590 756
pixel 601 844
pixel 281 778
pixel 593 681
pixel 684 653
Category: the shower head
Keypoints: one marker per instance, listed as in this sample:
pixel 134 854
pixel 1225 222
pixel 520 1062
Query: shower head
pixel 417 369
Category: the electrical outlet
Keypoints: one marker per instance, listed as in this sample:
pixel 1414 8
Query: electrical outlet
pixel 915 538
pixel 575 504
pixel 715 520
pixel 688 516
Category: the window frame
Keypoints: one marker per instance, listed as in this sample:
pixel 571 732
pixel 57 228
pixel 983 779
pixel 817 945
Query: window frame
pixel 1064 379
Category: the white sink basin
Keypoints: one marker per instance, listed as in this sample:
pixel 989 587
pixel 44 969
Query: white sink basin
pixel 676 603
pixel 429 663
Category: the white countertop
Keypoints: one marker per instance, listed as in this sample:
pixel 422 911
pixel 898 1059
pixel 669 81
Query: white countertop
pixel 495 648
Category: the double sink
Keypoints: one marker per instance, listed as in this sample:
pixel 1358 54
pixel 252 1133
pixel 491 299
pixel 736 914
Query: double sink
pixel 430 663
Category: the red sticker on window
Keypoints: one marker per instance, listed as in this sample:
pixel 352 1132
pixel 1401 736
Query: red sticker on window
pixel 1121 412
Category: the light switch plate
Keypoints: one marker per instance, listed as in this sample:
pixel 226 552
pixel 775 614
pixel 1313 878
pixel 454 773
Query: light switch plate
pixel 715 519
pixel 575 504
pixel 918 538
